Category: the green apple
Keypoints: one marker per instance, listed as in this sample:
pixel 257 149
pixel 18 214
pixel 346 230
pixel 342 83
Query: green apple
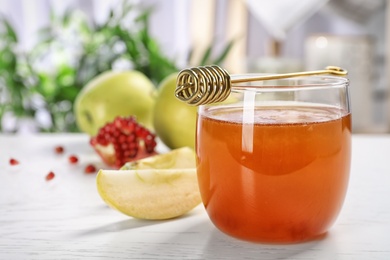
pixel 174 121
pixel 112 94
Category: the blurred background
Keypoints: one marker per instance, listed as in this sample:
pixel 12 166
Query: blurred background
pixel 50 49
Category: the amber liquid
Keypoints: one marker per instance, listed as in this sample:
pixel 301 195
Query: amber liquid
pixel 279 175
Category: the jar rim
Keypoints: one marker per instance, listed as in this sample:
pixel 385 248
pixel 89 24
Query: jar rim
pixel 292 83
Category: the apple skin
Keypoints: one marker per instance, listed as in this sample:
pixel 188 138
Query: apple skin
pixel 174 121
pixel 112 94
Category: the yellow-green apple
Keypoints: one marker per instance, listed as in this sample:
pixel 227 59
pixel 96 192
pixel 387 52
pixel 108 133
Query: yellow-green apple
pixel 112 94
pixel 174 121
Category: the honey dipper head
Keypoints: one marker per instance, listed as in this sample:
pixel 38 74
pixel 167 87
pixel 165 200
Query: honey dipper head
pixel 203 85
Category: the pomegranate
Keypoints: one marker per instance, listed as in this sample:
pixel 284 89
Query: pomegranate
pixel 123 140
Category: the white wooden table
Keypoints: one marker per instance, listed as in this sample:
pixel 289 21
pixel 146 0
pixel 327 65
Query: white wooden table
pixel 66 219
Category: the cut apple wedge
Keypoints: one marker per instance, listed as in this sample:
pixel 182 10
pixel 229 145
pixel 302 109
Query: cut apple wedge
pixel 158 187
pixel 150 193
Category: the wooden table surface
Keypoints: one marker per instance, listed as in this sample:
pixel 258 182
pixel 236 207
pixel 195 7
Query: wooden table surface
pixel 66 219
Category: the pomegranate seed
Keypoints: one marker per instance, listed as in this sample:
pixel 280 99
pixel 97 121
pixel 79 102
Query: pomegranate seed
pixel 13 162
pixel 73 159
pixel 50 176
pixel 59 149
pixel 90 168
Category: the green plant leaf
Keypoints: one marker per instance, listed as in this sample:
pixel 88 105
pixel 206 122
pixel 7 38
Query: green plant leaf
pixel 206 56
pixel 67 16
pixel 10 32
pixel 68 93
pixel 224 53
pixel 47 87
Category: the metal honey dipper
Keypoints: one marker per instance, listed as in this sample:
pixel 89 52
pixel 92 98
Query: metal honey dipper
pixel 211 84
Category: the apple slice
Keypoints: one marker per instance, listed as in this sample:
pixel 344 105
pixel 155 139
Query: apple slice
pixel 162 186
pixel 150 193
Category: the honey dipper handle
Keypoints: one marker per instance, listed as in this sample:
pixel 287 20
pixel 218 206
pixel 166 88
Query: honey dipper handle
pixel 333 70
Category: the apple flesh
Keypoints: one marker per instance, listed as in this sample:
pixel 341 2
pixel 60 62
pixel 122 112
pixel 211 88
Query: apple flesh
pixel 152 194
pixel 174 121
pixel 112 94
